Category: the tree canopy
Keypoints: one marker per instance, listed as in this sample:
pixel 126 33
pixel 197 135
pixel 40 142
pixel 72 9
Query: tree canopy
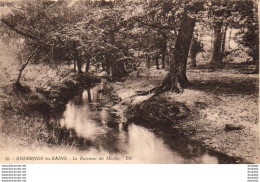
pixel 115 36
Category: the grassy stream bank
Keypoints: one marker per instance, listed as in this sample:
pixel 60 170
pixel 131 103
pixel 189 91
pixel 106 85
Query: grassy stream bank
pixel 25 112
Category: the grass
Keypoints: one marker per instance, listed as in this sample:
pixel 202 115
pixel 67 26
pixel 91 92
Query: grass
pixel 23 115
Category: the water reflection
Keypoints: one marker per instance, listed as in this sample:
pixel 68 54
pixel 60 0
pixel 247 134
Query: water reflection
pixel 90 118
pixel 81 120
pixel 145 146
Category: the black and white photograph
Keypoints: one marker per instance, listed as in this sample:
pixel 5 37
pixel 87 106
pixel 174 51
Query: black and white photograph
pixel 129 82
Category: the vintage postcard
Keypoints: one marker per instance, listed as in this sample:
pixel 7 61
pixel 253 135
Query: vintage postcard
pixel 129 82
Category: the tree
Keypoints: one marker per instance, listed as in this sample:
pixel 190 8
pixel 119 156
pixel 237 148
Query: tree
pixel 195 48
pixel 176 78
pixel 247 21
pixel 106 35
pixel 40 27
pixel 17 83
pixel 112 35
pixel 158 24
pixel 219 14
pixel 236 14
pixel 216 60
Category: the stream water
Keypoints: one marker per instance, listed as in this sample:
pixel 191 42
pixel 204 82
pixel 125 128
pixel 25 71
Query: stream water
pixel 89 117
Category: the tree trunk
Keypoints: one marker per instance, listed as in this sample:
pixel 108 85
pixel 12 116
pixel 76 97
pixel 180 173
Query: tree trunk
pixel 256 51
pixel 79 65
pixel 87 65
pixel 256 59
pixel 229 38
pixel 74 65
pixel 148 62
pixel 193 54
pixel 164 48
pixel 167 60
pixel 184 78
pixel 78 61
pixel 118 70
pixel 89 95
pixel 163 60
pixel 211 39
pixel 224 39
pixel 157 61
pixel 176 78
pixel 17 83
pixel 216 60
pixel 193 63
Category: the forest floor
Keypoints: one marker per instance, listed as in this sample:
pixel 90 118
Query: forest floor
pixel 215 99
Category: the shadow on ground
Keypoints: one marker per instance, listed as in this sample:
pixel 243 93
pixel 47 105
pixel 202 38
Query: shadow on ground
pixel 229 86
pixel 234 79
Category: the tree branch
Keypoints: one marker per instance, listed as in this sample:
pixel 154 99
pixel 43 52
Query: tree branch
pixel 17 83
pixel 18 31
pixel 29 58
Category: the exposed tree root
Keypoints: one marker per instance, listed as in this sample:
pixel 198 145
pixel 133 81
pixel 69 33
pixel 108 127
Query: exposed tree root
pixel 172 84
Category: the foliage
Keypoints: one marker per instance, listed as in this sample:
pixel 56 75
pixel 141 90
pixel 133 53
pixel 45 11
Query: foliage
pixel 116 35
pixel 247 22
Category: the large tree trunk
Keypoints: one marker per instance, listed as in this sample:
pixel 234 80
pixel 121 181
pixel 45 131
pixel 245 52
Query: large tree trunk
pixel 216 60
pixel 176 78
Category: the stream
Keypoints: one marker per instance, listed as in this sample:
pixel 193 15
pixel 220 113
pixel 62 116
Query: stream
pixel 89 117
